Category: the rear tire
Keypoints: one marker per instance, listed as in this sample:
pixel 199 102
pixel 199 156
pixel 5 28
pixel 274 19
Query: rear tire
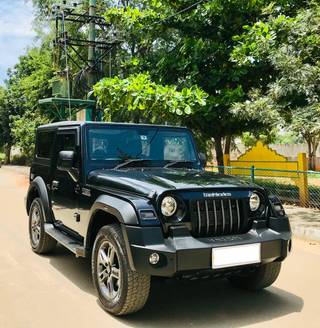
pixel 41 242
pixel 263 277
pixel 120 290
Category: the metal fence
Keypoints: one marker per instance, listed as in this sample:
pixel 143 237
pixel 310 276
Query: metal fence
pixel 301 188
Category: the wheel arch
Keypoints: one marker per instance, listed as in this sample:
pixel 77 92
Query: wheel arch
pixel 37 189
pixel 108 210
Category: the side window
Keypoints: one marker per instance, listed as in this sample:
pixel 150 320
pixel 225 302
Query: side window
pixel 45 141
pixel 67 141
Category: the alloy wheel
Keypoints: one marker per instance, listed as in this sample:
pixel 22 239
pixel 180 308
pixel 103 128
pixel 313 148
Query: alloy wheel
pixel 108 271
pixel 35 225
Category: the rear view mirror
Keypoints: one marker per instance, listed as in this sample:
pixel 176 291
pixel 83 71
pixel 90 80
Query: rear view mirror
pixel 203 159
pixel 66 160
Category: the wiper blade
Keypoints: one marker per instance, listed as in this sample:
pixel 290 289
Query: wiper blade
pixel 131 161
pixel 174 163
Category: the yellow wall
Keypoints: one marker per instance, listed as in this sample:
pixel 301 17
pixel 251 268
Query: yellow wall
pixel 261 156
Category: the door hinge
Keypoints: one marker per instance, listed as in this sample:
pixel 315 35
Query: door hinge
pixel 77 217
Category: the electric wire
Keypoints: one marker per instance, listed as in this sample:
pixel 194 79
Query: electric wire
pixel 179 12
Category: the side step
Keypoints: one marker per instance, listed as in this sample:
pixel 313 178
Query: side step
pixel 72 245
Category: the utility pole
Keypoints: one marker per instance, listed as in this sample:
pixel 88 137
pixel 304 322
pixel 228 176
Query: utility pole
pixel 92 47
pixel 77 73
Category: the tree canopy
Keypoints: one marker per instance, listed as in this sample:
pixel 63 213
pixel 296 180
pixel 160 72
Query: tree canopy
pixel 290 45
pixel 223 68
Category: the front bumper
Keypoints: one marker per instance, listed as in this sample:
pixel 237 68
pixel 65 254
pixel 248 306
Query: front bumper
pixel 180 252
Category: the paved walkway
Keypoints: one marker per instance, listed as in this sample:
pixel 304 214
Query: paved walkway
pixel 305 222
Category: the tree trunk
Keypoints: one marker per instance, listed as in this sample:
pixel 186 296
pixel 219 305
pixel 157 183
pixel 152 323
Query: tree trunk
pixel 227 145
pixel 7 153
pixel 312 150
pixel 219 152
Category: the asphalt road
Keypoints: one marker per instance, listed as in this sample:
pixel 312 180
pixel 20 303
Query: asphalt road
pixel 56 291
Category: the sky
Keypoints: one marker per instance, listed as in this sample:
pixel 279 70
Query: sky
pixel 15 32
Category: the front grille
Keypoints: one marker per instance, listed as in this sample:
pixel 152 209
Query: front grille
pixel 216 217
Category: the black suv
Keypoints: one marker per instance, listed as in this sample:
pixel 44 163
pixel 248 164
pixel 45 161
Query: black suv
pixel 136 198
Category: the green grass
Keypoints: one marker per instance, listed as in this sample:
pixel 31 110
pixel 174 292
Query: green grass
pixel 1 156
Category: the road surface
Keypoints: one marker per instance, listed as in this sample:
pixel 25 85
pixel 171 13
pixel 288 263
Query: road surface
pixel 56 291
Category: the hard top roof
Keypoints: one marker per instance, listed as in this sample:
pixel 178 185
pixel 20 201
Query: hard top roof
pixel 83 123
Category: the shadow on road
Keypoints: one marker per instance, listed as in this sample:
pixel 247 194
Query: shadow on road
pixel 185 303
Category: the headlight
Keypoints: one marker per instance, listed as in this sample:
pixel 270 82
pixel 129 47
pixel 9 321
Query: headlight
pixel 168 206
pixel 254 202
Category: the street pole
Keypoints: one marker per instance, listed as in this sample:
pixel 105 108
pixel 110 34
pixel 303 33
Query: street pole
pixel 87 114
pixel 92 49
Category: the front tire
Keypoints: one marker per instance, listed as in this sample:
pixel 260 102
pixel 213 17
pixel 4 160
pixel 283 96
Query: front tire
pixel 260 278
pixel 41 242
pixel 120 290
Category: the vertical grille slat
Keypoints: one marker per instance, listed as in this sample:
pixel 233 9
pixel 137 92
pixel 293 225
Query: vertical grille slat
pixel 199 217
pixel 231 218
pixel 215 217
pixel 238 215
pixel 223 216
pixel 207 216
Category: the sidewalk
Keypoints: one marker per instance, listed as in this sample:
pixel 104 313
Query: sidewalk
pixel 305 222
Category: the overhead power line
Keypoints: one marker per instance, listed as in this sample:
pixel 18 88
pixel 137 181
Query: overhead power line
pixel 179 12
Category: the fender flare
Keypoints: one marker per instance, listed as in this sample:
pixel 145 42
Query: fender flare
pixel 122 210
pixel 39 185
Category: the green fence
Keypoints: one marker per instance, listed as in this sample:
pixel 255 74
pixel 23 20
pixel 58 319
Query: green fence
pixel 301 188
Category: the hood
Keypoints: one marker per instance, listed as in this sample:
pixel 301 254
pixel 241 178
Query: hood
pixel 149 181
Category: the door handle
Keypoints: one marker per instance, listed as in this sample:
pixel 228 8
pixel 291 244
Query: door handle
pixel 77 189
pixel 55 185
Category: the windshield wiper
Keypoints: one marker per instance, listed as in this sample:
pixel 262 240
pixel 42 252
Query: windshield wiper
pixel 174 163
pixel 128 162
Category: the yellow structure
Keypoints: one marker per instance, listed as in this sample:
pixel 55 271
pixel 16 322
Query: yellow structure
pixel 268 163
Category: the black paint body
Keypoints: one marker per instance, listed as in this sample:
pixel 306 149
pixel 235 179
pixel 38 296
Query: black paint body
pixel 75 201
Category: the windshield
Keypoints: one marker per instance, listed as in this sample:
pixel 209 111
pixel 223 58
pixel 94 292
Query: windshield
pixel 156 146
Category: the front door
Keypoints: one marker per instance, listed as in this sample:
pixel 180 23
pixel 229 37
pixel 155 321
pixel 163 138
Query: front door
pixel 65 186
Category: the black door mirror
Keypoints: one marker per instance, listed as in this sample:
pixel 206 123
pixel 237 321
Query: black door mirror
pixel 203 159
pixel 66 160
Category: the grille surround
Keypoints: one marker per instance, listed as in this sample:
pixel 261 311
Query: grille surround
pixel 218 217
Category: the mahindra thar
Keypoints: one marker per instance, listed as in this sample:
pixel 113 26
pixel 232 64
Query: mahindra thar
pixel 138 200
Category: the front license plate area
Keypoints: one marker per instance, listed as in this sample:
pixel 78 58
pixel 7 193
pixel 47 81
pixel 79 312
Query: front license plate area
pixel 230 256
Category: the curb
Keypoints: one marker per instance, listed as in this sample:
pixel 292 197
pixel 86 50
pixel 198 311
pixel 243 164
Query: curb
pixel 306 232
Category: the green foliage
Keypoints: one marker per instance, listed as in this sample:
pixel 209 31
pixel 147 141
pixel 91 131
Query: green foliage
pixel 29 80
pixel 250 139
pixel 292 51
pixel 200 62
pixel 24 131
pixel 142 100
pixel 287 137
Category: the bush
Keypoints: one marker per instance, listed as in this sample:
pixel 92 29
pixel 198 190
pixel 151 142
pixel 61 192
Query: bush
pixel 20 160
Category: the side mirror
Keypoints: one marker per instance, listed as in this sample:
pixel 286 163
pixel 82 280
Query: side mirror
pixel 203 159
pixel 66 160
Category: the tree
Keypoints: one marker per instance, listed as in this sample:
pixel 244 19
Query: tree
pixel 28 81
pixel 24 130
pixel 291 46
pixel 192 47
pixel 139 99
pixel 5 132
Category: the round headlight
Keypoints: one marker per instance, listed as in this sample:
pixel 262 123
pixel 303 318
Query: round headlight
pixel 168 206
pixel 254 202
